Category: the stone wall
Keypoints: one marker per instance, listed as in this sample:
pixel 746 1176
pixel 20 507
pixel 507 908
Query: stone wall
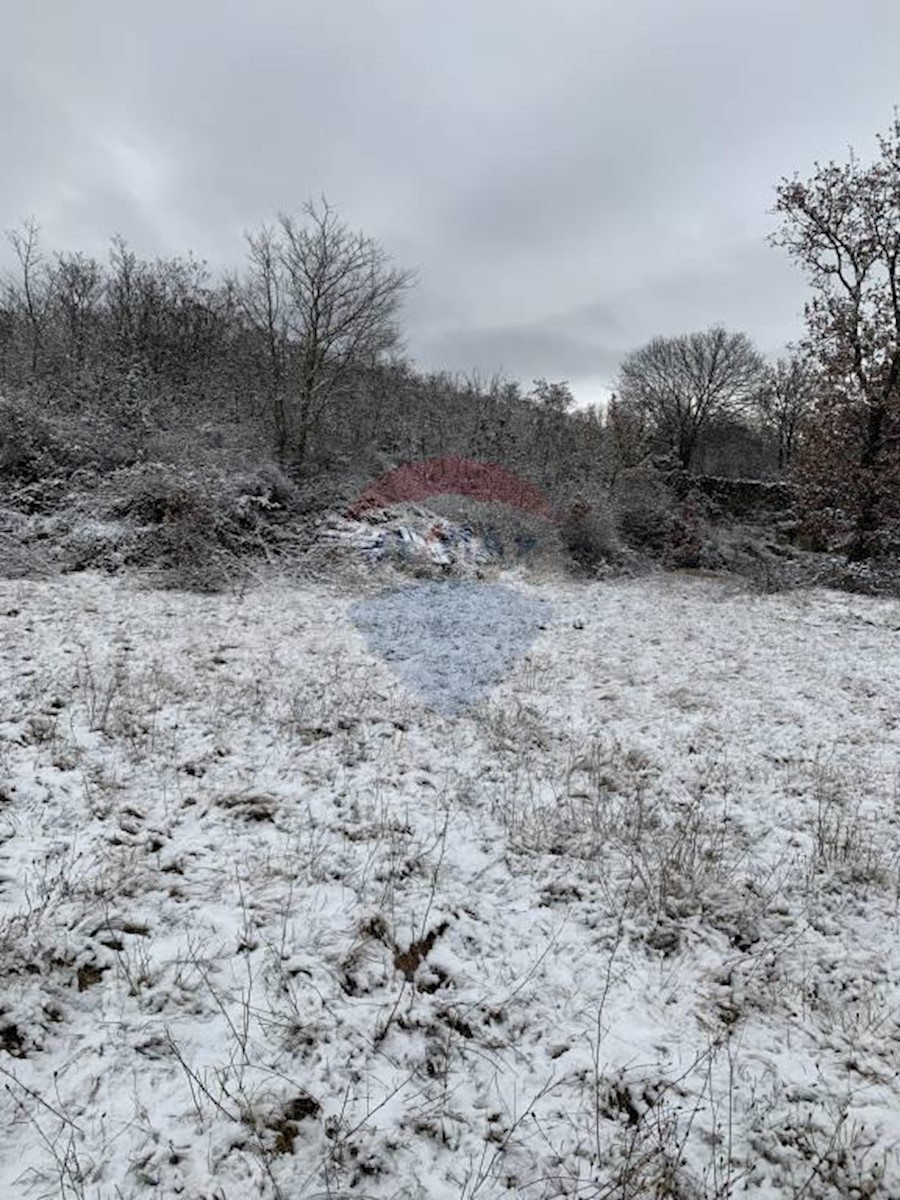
pixel 737 498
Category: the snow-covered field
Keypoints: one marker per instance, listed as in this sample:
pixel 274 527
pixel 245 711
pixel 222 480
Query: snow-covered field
pixel 271 926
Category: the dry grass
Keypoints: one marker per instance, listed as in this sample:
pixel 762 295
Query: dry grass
pixel 365 1018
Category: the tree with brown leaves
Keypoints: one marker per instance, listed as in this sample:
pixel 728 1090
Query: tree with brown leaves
pixel 843 227
pixel 786 402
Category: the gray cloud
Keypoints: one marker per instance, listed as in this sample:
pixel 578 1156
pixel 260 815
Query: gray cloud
pixel 569 177
pixel 536 350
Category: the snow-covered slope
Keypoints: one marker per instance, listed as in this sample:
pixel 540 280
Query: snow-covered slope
pixel 271 926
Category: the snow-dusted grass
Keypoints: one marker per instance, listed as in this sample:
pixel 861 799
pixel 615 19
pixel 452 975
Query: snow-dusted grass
pixel 271 927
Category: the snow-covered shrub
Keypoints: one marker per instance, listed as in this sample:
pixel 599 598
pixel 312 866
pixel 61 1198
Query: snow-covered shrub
pixel 643 506
pixel 191 526
pixel 18 560
pixel 25 442
pixel 38 443
pixel 195 543
pixel 684 543
pixel 91 545
pixel 589 535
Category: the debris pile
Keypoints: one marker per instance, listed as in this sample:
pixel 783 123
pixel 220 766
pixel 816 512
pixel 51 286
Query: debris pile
pixel 414 537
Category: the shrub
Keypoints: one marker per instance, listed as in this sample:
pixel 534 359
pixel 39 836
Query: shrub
pixel 25 443
pixel 589 535
pixel 685 541
pixel 194 546
pixel 643 509
pixel 36 448
pixel 195 527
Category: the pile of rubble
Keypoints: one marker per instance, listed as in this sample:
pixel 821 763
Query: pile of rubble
pixel 414 537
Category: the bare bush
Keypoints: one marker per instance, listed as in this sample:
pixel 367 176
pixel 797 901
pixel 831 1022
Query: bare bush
pixel 199 527
pixel 643 506
pixel 27 445
pixel 589 534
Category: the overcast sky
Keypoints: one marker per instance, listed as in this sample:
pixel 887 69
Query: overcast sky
pixel 568 177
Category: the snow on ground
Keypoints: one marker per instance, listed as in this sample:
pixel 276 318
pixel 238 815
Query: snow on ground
pixel 450 641
pixel 271 926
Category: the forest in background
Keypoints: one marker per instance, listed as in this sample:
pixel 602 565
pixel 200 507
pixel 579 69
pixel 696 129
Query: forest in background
pixel 207 404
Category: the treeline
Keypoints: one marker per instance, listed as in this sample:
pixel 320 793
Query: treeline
pixel 296 355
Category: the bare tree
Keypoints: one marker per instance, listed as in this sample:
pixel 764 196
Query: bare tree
pixel 121 288
pixel 265 303
pixel 626 442
pixel 77 292
pixel 684 383
pixel 552 397
pixel 31 291
pixel 550 403
pixel 843 228
pixel 325 299
pixel 786 400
